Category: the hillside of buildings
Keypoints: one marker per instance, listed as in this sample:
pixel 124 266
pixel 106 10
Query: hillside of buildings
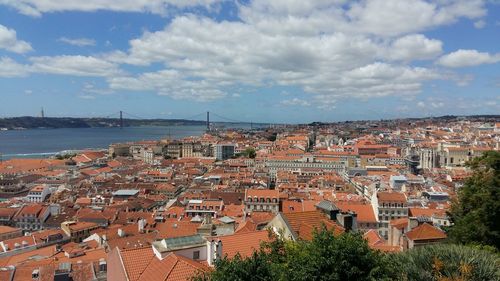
pixel 372 200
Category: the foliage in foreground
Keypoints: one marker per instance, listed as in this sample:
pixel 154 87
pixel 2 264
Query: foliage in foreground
pixel 476 213
pixel 345 257
pixel 348 257
pixel 446 262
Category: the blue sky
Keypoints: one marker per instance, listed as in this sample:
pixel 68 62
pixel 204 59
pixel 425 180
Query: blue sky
pixel 256 60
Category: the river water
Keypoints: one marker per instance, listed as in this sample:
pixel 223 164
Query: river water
pixel 36 143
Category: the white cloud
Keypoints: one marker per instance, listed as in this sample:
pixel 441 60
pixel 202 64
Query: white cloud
pixel 437 104
pixel 74 65
pixel 378 17
pixel 9 68
pixel 421 104
pixel 168 83
pixel 220 54
pixel 80 42
pixel 479 24
pixel 464 58
pixel 9 41
pixel 325 103
pixel 329 49
pixel 36 8
pixel 416 46
pixel 86 97
pixel 296 102
pixel 91 88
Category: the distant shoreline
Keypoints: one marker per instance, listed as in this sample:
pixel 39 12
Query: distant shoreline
pixel 30 122
pixel 44 143
pixel 26 122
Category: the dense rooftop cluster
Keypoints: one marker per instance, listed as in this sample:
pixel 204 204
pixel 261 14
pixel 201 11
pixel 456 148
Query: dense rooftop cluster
pixel 169 209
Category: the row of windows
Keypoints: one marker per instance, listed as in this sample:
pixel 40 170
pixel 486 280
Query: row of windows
pixel 262 200
pixel 29 226
pixel 399 212
pixel 203 208
pixel 262 207
pixel 388 218
pixel 393 205
pixel 304 165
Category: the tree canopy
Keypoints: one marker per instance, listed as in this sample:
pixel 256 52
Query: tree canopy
pixel 326 257
pixel 475 213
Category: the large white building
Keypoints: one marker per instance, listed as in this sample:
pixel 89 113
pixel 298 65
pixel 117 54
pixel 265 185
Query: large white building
pixel 389 206
pixel 297 164
pixel 38 193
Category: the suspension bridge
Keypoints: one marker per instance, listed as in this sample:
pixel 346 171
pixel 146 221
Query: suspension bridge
pixel 210 119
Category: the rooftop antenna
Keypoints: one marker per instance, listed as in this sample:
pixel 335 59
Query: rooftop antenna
pixel 42 113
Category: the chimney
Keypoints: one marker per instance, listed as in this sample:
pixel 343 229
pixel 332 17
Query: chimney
pixel 214 248
pixel 218 250
pixel 210 252
pixel 35 274
pixel 140 224
pixel 413 222
pixel 121 233
pixel 103 267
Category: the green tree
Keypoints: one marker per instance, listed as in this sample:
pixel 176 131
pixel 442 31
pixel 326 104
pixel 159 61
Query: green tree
pixel 329 257
pixel 346 257
pixel 476 211
pixel 250 152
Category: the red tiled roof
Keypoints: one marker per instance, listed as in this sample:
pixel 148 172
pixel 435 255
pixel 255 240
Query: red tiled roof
pixel 82 225
pixel 400 223
pixel 364 211
pixel 264 193
pixel 246 226
pixel 425 231
pixel 135 261
pixel 7 229
pixel 373 237
pixel 244 243
pixel 142 265
pixel 391 197
pixel 421 212
pixel 303 223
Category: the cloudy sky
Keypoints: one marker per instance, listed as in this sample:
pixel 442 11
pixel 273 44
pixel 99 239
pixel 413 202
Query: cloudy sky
pixel 257 60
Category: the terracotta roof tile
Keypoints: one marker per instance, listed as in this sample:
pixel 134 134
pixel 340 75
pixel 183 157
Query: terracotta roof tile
pixel 425 231
pixel 136 261
pixel 172 268
pixel 244 243
pixel 364 211
pixel 303 223
pixel 391 197
pixel 421 212
pixel 400 223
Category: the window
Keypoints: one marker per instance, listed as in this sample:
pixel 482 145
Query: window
pixel 196 255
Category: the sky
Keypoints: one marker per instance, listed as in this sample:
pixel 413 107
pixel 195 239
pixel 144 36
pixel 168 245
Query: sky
pixel 275 61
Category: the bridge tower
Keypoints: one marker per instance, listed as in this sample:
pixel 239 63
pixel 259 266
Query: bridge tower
pixel 121 119
pixel 208 121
